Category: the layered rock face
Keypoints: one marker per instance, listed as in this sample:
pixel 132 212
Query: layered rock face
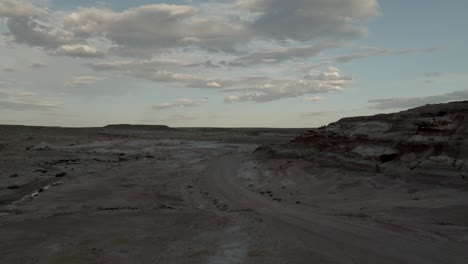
pixel 428 144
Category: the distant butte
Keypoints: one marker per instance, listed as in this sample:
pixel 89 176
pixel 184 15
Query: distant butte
pixel 143 127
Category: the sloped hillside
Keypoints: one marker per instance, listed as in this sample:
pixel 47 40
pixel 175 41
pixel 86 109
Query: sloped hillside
pixel 428 144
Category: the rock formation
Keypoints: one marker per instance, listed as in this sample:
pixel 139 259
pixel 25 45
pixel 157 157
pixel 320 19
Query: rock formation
pixel 427 144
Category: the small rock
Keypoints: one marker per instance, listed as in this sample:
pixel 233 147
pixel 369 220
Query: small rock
pixel 42 146
pixel 165 206
pixel 61 174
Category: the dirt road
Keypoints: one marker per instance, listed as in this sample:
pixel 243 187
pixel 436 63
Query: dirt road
pixel 329 239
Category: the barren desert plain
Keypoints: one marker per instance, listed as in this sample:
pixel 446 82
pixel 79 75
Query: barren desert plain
pixel 382 189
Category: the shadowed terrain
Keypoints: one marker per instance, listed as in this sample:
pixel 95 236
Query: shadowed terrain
pixel 382 189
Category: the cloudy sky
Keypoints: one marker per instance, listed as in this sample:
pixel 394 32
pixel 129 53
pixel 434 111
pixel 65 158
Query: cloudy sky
pixel 260 63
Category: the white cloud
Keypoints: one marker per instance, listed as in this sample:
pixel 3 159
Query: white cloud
pixel 79 50
pixel 312 99
pixel 375 51
pixel 180 103
pixel 214 84
pixel 155 39
pixel 283 54
pixel 187 25
pixel 207 64
pixel 45 32
pixel 157 26
pixel 271 89
pixel 333 74
pixel 304 20
pixel 354 56
pixel 28 31
pixel 233 98
pixel 23 101
pixel 18 8
pixel 83 81
pixel 160 71
pixel 167 76
pixel 187 80
pixel 145 30
pixel 410 102
pixel 182 25
pixel 143 65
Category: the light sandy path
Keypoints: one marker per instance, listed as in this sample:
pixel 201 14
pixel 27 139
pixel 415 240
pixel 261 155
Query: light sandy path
pixel 330 239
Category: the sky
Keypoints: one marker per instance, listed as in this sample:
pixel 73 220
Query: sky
pixel 227 63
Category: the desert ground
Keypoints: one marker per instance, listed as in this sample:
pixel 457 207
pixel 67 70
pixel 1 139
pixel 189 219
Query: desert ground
pixel 152 194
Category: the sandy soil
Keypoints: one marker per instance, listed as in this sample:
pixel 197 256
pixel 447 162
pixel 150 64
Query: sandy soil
pixel 118 195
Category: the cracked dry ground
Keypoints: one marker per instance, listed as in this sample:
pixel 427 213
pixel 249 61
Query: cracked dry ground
pixel 170 197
